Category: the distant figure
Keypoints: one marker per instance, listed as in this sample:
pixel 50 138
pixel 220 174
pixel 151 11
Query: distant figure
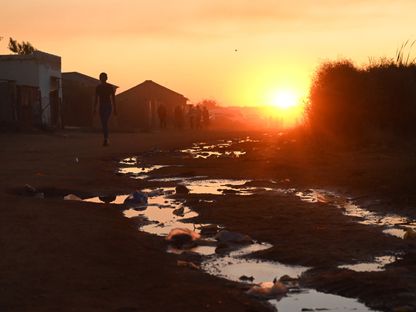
pixel 205 117
pixel 104 95
pixel 161 111
pixel 178 115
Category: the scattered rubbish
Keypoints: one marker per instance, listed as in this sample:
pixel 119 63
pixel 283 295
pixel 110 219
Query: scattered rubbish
pixel 245 278
pixel 180 237
pixel 181 189
pixel 410 234
pixel 268 290
pixel 179 211
pixel 136 199
pixel 72 197
pixel 107 198
pixel 30 190
pixel 209 230
pixel 166 217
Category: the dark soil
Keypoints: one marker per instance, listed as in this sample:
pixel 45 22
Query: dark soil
pixel 76 256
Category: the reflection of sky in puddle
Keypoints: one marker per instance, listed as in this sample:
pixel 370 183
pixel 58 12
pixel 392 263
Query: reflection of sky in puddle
pixel 214 186
pixel 176 179
pixel 140 172
pixel 205 151
pixel 392 221
pixel 233 268
pixel 160 212
pixel 317 301
pixel 395 232
pixel 128 161
pixel 376 266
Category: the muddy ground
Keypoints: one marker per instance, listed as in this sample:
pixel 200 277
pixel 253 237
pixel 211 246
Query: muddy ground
pixel 77 256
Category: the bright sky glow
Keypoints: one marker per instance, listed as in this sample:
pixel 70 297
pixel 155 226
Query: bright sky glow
pixel 235 51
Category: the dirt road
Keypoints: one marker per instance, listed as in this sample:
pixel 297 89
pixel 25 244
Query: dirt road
pixel 78 256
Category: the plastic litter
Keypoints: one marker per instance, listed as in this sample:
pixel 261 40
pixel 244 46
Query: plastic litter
pixel 72 197
pixel 136 199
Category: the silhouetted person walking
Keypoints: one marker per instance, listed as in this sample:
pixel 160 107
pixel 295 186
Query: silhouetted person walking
pixel 104 95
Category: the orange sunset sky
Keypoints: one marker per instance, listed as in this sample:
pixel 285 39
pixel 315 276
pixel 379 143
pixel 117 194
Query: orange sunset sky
pixel 239 52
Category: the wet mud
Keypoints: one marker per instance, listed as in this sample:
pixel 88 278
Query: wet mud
pixel 342 243
pixel 313 230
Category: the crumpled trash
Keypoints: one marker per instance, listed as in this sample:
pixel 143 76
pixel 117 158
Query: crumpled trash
pixel 72 197
pixel 210 229
pixel 182 236
pixel 410 234
pixel 246 278
pixel 30 190
pixel 180 212
pixel 268 290
pixel 136 199
pixel 107 198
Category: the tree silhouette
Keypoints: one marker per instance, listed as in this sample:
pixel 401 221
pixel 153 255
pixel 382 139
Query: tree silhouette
pixel 21 48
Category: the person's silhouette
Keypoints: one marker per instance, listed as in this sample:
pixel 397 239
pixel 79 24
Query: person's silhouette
pixel 105 96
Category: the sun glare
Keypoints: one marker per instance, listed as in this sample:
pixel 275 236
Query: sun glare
pixel 285 99
pixel 286 106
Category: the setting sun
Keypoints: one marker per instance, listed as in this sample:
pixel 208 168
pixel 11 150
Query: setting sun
pixel 286 106
pixel 285 99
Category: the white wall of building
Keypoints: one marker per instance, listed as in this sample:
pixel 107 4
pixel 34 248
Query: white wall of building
pixel 36 70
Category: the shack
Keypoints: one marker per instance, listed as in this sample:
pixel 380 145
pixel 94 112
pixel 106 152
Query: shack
pixel 30 90
pixel 138 106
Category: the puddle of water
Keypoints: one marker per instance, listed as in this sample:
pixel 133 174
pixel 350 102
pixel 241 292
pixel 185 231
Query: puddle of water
pixel 397 232
pixel 377 266
pixel 177 179
pixel 215 186
pixel 317 301
pixel 205 151
pixel 140 172
pixel 128 161
pixel 163 213
pixel 396 224
pixel 233 268
pixel 160 211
